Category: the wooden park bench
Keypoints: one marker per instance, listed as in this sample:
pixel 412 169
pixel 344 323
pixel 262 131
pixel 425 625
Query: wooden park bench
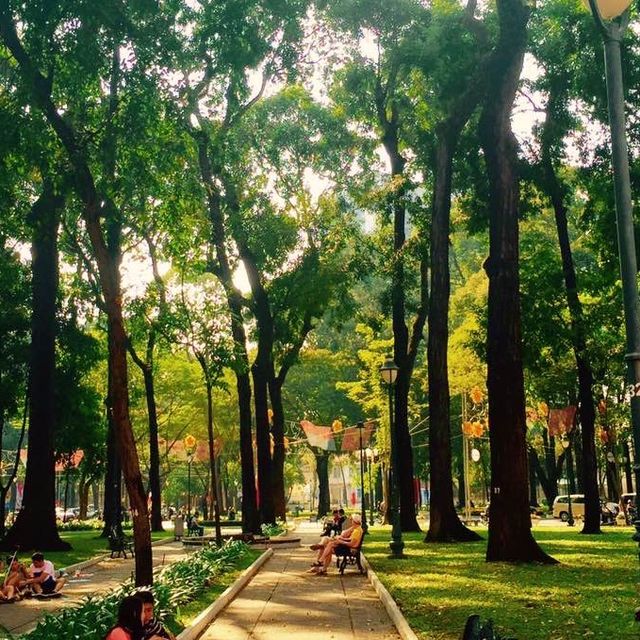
pixel 119 543
pixel 347 556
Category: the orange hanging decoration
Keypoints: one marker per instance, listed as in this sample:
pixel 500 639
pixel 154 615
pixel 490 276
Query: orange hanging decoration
pixel 467 428
pixel 543 409
pixel 476 395
pixel 336 426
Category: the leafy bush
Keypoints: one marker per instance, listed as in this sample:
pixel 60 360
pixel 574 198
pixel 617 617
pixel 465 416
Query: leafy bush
pixel 271 530
pixel 81 525
pixel 173 586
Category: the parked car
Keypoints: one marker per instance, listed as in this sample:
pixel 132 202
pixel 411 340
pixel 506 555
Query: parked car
pixel 561 506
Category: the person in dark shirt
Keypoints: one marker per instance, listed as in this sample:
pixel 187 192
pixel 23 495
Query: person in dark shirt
pixel 151 627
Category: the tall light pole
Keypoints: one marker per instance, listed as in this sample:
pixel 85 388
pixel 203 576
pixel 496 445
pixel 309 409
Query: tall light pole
pixel 190 447
pixel 612 19
pixel 370 455
pixel 363 511
pixel 566 443
pixel 389 373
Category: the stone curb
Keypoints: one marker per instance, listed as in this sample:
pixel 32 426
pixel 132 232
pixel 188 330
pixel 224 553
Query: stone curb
pixel 107 556
pixel 405 631
pixel 195 629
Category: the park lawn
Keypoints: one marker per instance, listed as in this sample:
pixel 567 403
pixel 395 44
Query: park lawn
pixel 188 612
pixel 85 545
pixel 592 593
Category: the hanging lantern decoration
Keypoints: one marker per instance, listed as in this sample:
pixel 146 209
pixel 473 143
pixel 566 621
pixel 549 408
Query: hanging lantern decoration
pixel 604 436
pixel 286 442
pixel 336 426
pixel 602 407
pixel 467 428
pixel 478 429
pixel 543 409
pixel 476 395
pixel 190 442
pixel 270 414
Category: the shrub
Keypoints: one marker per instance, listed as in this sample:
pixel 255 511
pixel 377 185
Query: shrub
pixel 271 530
pixel 173 586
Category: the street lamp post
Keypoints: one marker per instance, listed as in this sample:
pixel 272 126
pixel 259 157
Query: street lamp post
pixel 612 19
pixel 363 511
pixel 389 373
pixel 566 443
pixel 190 446
pixel 370 455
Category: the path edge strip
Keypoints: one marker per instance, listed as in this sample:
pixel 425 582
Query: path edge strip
pixel 400 622
pixel 195 629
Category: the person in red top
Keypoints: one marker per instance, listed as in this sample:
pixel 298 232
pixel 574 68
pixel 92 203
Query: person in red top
pixel 130 621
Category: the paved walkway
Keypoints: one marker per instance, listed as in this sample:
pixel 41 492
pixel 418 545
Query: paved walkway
pixel 21 617
pixel 283 601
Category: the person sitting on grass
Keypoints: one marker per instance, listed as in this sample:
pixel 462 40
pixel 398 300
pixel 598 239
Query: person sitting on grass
pixel 42 578
pixel 348 539
pixel 16 579
pixel 129 625
pixel 151 628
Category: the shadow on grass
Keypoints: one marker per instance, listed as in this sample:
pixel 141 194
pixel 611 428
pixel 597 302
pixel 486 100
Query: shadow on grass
pixel 591 593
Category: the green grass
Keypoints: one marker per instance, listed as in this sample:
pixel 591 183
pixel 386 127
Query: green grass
pixel 592 593
pixel 187 613
pixel 85 545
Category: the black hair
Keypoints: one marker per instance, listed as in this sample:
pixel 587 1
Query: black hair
pixel 145 596
pixel 130 616
pixel 37 556
pixel 341 512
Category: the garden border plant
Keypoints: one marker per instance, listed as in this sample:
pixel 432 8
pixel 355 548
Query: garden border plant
pixel 174 585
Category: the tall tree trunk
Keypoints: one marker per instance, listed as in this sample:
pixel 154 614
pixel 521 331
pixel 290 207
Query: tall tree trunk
pixel 322 470
pixel 213 476
pixel 627 467
pixel 279 453
pixel 586 405
pixel 547 481
pixel 444 523
pixel 35 526
pixel 96 206
pixel 146 367
pixel 259 372
pixel 510 536
pixel 112 509
pixel 388 119
pixel 221 268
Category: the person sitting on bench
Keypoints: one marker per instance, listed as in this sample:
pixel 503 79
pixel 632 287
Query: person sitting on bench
pixel 193 525
pixel 333 526
pixel 349 539
pixel 42 576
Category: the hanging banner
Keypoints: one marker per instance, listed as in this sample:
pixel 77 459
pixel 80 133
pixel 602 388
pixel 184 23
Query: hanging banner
pixel 561 420
pixel 321 437
pixel 351 437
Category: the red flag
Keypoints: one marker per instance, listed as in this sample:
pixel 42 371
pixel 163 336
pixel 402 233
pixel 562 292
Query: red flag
pixel 321 437
pixel 561 420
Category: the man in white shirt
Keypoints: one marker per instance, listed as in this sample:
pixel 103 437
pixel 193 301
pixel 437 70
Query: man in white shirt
pixel 42 573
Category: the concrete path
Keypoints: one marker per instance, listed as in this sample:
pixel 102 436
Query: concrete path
pixel 283 601
pixel 21 617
